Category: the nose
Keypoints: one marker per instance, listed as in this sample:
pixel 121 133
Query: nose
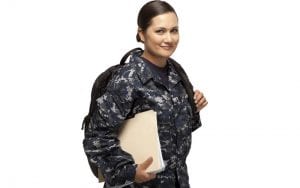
pixel 168 37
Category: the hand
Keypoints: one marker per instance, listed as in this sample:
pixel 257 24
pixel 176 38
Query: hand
pixel 200 100
pixel 141 175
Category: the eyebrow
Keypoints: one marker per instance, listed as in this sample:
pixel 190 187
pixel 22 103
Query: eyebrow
pixel 175 27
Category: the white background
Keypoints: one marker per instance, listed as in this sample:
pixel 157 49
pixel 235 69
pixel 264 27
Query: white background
pixel 242 54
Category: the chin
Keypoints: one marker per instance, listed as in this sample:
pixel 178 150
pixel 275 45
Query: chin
pixel 166 54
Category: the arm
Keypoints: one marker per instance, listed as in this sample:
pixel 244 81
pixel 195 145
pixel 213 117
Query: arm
pixel 101 143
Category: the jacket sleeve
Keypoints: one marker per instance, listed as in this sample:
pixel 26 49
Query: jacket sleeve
pixel 101 143
pixel 196 122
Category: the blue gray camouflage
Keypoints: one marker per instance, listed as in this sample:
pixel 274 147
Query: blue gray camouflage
pixel 133 89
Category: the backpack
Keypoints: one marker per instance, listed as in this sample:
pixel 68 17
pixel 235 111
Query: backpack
pixel 100 84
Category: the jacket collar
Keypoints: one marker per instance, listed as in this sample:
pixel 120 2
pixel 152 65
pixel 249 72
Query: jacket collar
pixel 145 74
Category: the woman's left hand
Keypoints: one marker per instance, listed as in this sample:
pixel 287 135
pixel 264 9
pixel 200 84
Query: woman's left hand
pixel 200 100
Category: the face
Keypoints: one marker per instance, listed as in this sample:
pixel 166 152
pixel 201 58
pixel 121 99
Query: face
pixel 161 37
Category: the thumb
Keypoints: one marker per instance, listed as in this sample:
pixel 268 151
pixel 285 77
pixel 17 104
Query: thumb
pixel 146 163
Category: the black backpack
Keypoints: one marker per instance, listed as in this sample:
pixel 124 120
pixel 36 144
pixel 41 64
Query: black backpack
pixel 100 84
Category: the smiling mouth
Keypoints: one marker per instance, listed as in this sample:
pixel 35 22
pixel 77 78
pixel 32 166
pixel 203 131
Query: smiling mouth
pixel 167 47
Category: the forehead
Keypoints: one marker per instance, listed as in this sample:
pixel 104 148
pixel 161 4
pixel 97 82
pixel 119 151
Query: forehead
pixel 167 20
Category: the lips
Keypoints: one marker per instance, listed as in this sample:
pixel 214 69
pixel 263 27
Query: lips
pixel 167 47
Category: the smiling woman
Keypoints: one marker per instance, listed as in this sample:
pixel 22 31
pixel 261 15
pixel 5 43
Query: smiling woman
pixel 160 38
pixel 149 81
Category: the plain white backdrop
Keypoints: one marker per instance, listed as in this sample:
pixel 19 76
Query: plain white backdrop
pixel 242 54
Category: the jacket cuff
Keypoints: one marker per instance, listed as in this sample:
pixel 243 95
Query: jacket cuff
pixel 129 172
pixel 196 123
pixel 124 177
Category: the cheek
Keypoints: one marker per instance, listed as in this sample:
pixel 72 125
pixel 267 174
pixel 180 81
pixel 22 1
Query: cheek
pixel 153 43
pixel 176 39
pixel 156 40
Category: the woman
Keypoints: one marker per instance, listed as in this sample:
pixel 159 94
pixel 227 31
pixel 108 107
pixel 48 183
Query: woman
pixel 148 81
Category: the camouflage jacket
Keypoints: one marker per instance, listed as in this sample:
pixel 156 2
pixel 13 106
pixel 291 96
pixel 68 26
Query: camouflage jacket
pixel 133 89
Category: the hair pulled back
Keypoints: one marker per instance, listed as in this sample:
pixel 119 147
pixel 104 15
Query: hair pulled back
pixel 149 11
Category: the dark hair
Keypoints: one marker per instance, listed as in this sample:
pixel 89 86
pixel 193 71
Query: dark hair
pixel 149 11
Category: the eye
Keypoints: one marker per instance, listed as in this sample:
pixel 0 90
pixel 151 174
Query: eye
pixel 159 31
pixel 175 30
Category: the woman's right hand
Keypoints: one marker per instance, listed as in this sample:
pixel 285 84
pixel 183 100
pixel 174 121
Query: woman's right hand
pixel 141 175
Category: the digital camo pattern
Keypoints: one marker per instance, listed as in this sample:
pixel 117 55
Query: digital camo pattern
pixel 134 89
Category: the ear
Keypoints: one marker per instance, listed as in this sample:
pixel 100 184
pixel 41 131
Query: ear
pixel 141 34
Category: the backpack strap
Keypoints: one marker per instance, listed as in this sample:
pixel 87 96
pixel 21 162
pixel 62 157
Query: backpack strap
pixel 99 86
pixel 122 62
pixel 186 84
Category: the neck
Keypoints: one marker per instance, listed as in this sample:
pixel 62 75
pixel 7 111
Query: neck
pixel 158 61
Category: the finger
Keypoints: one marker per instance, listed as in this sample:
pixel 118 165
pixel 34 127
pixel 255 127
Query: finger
pixel 200 107
pixel 151 176
pixel 199 97
pixel 196 94
pixel 146 163
pixel 201 102
pixel 146 177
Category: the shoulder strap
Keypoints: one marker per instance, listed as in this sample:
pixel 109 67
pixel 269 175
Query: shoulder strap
pixel 122 62
pixel 99 86
pixel 186 84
